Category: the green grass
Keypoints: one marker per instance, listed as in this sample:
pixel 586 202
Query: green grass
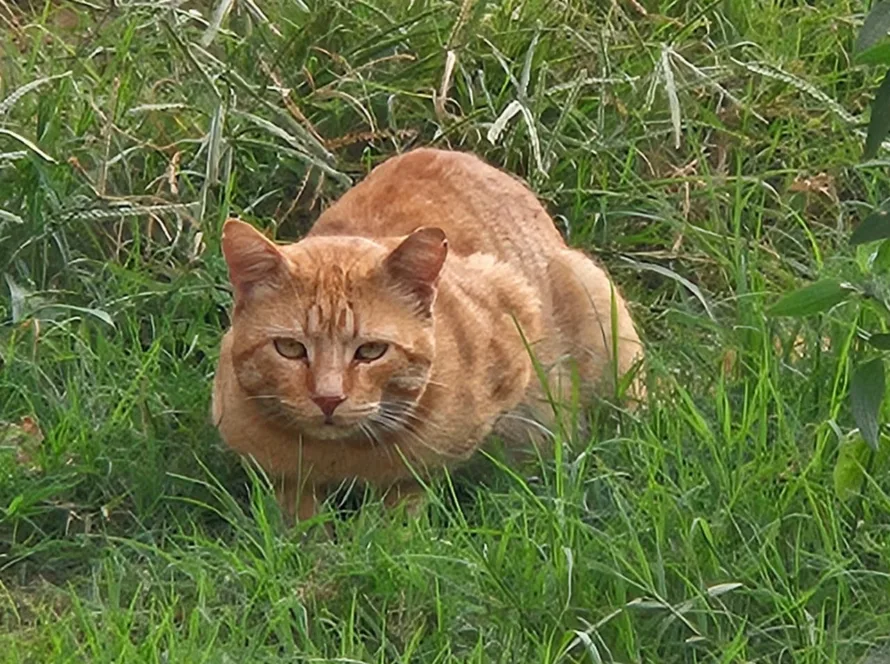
pixel 704 529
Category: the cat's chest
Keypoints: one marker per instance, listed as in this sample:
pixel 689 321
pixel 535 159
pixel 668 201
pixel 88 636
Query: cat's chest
pixel 377 463
pixel 385 460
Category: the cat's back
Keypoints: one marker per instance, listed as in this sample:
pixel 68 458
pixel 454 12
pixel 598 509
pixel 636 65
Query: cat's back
pixel 480 208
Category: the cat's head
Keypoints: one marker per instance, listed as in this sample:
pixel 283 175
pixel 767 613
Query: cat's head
pixel 334 335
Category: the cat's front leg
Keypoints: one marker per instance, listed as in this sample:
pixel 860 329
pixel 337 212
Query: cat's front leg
pixel 297 499
pixel 409 493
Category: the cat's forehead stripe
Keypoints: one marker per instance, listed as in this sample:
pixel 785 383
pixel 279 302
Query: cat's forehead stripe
pixel 330 310
pixel 346 320
pixel 328 316
pixel 313 320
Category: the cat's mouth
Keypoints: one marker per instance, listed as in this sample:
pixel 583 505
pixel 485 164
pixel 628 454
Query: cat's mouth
pixel 320 426
pixel 339 426
pixel 369 423
pixel 330 430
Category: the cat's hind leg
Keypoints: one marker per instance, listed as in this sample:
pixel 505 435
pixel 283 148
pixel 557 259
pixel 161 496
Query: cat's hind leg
pixel 590 341
pixel 594 325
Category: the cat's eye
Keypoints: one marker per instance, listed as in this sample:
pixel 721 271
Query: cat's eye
pixel 290 348
pixel 370 351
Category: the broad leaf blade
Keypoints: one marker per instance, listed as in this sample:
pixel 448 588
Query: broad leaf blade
pixel 23 301
pixel 879 124
pixel 54 309
pixel 880 341
pixel 881 261
pixel 849 469
pixel 866 395
pixel 812 299
pixel 666 272
pixel 874 227
pixel 878 54
pixel 875 28
pixel 28 144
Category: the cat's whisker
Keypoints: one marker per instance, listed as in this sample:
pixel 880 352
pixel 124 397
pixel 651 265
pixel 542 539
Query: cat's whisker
pixel 272 397
pixel 408 409
pixel 365 428
pixel 368 429
pixel 412 405
pixel 526 420
pixel 365 411
pixel 419 420
pixel 253 397
pixel 403 426
pixel 386 422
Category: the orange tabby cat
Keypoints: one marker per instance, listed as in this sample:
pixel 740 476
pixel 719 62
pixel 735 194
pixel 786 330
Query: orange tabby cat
pixel 397 335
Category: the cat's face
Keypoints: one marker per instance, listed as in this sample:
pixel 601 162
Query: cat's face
pixel 334 336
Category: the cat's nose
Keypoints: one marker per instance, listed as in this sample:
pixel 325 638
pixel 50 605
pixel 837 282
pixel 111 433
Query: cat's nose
pixel 328 404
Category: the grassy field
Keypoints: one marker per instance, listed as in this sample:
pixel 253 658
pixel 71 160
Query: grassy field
pixel 709 154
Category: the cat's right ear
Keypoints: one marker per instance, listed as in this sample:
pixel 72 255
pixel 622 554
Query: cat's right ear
pixel 252 258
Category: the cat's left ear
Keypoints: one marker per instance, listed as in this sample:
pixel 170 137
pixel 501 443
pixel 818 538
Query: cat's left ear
pixel 252 258
pixel 416 263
